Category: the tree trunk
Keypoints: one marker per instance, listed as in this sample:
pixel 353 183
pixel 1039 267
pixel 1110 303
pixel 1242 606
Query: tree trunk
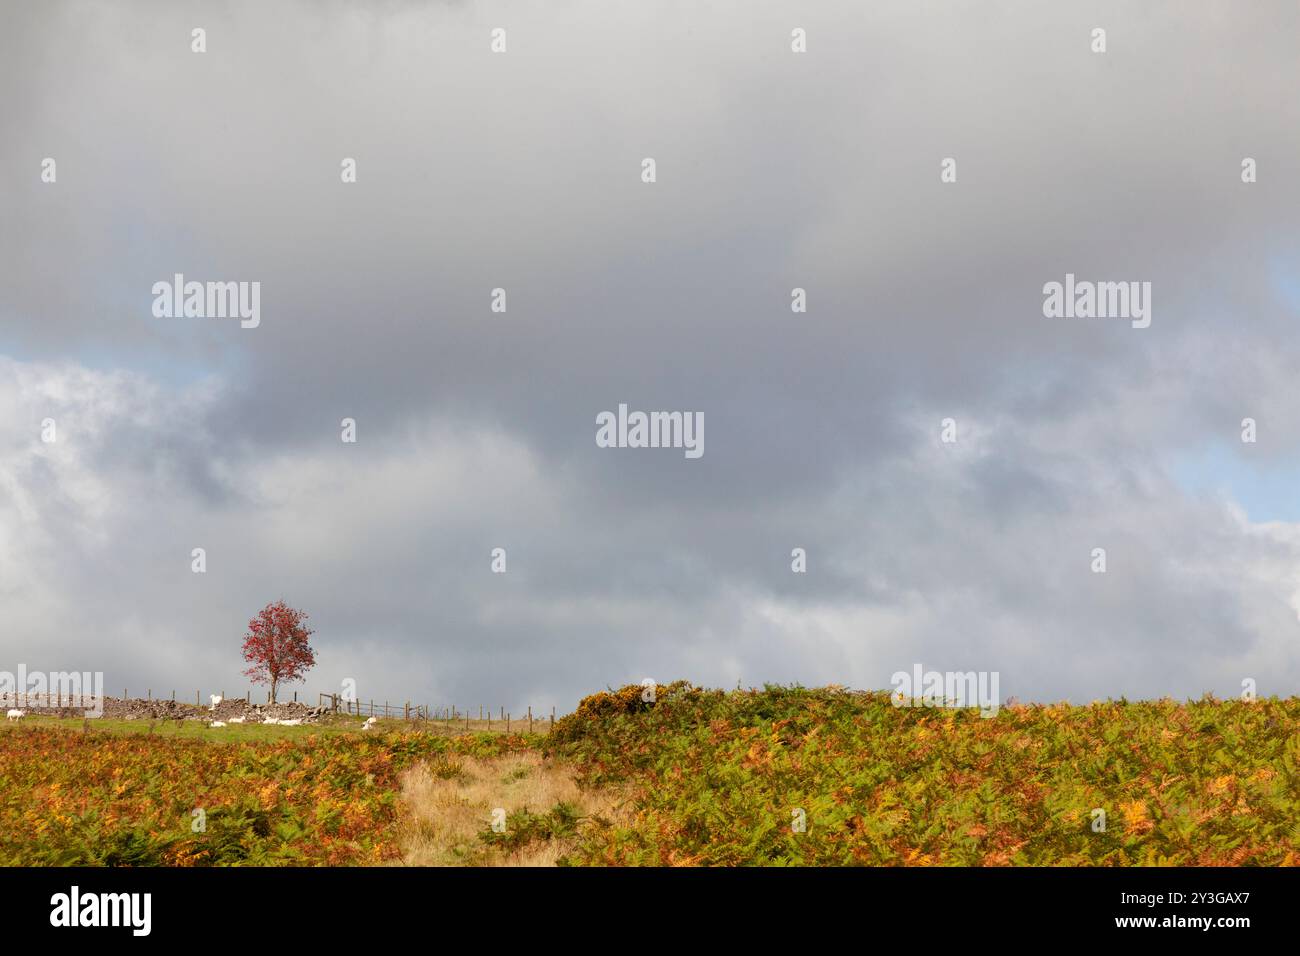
pixel 273 683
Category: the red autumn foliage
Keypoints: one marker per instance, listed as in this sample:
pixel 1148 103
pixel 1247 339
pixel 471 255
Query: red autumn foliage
pixel 276 645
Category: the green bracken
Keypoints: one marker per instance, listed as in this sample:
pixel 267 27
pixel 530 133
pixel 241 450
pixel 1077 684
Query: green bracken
pixel 726 778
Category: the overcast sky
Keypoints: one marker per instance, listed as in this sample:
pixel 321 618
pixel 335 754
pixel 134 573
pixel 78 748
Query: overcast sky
pixel 476 430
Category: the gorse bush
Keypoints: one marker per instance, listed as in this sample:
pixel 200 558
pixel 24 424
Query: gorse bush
pixel 724 778
pixel 593 714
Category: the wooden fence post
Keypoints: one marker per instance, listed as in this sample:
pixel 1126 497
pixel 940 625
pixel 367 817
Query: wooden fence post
pixel 530 718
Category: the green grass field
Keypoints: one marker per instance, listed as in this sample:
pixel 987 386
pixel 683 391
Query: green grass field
pixel 187 729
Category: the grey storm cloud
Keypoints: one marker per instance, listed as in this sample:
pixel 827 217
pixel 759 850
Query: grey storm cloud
pixel 476 430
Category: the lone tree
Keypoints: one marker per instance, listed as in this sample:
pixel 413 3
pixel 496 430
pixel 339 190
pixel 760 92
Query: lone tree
pixel 277 646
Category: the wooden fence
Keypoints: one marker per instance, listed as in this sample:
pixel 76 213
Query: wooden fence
pixel 448 716
pixel 360 708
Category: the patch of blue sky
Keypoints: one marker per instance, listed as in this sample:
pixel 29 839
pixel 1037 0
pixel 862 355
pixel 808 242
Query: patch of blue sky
pixel 1266 488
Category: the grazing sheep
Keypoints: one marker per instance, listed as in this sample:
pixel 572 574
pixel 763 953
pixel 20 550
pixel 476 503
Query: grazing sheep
pixel 217 723
pixel 216 699
pixel 297 721
pixel 235 720
pixel 16 714
pixel 370 723
pixel 270 720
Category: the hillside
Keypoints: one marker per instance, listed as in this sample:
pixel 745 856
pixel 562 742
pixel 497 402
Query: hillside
pixel 779 776
pixel 719 776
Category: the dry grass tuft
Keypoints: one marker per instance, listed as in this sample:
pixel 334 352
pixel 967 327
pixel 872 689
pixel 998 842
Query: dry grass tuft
pixel 449 803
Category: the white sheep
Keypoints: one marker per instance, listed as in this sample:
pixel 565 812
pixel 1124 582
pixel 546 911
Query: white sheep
pixel 370 723
pixel 270 720
pixel 217 723
pixel 297 721
pixel 216 699
pixel 235 720
pixel 16 714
